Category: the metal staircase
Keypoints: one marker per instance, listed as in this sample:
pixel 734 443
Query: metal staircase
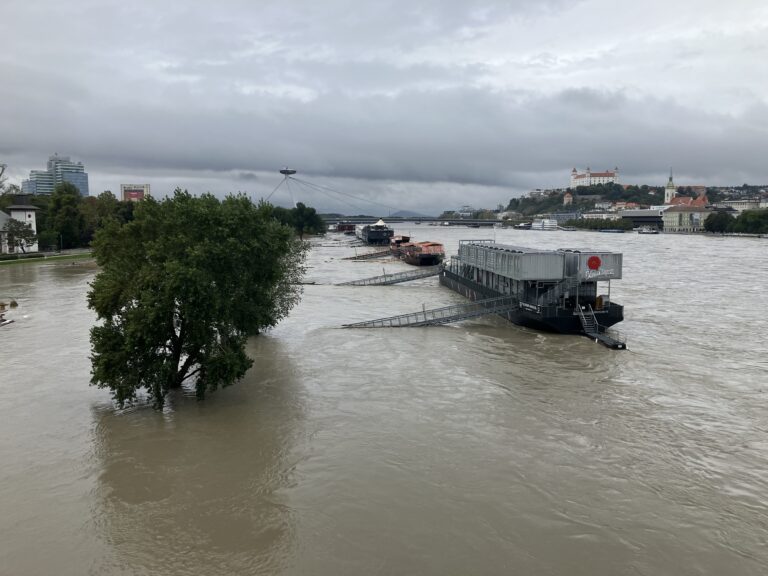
pixel 443 315
pixel 395 278
pixel 589 322
pixel 593 330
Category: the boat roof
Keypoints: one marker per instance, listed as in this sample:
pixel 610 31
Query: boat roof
pixel 524 250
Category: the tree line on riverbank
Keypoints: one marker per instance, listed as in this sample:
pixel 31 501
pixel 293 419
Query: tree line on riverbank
pixel 748 222
pixel 65 219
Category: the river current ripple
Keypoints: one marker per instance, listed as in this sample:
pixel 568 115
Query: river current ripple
pixel 476 448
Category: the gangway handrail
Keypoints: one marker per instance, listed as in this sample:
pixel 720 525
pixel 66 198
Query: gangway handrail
pixel 444 314
pixel 395 278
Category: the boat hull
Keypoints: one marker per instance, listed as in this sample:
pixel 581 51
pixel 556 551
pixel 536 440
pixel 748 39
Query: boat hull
pixel 544 318
pixel 422 259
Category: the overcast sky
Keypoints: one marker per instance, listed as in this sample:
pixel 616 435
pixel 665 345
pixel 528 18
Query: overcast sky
pixel 419 105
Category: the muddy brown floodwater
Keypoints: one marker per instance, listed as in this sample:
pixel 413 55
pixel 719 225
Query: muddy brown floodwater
pixel 476 448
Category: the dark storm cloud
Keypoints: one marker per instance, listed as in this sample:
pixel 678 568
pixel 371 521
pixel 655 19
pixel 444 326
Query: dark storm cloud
pixel 435 96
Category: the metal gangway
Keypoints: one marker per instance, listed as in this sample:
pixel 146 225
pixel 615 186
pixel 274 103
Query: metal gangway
pixel 592 329
pixel 369 255
pixel 395 278
pixel 445 315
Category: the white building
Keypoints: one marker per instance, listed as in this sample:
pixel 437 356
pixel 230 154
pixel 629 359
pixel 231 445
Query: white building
pixel 685 219
pixel 741 205
pixel 600 215
pixel 23 213
pixel 590 178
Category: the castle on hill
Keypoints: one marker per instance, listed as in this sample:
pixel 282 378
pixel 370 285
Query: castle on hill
pixel 590 178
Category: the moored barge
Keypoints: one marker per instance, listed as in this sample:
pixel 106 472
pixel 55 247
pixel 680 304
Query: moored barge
pixel 422 253
pixel 563 291
pixel 378 233
pixel 396 242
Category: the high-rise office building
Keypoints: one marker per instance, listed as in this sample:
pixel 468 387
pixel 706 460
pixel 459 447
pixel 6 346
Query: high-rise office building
pixel 60 169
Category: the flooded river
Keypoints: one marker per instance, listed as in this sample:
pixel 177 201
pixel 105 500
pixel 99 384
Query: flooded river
pixel 475 448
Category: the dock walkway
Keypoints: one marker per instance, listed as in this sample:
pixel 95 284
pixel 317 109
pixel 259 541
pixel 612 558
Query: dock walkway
pixel 369 255
pixel 396 278
pixel 444 315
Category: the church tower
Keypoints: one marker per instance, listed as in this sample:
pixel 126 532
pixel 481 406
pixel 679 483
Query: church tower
pixel 670 191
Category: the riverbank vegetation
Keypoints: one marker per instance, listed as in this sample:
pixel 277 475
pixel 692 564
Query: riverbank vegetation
pixel 67 220
pixel 302 218
pixel 181 288
pixel 748 222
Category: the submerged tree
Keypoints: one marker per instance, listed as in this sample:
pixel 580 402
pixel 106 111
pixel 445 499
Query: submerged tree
pixel 182 287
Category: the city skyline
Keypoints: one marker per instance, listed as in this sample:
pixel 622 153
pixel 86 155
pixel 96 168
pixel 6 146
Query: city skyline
pixel 411 104
pixel 59 169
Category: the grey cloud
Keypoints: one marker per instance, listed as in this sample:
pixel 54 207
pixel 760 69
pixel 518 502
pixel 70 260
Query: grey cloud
pixel 447 98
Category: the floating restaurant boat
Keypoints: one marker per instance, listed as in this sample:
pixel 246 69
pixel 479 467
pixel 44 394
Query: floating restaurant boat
pixel 563 291
pixel 422 253
pixel 647 230
pixel 378 233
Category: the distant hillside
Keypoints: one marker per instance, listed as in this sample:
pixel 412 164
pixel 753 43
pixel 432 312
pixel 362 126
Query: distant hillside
pixel 407 214
pixel 584 198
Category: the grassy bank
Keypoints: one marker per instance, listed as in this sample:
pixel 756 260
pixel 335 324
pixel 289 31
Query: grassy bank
pixel 48 259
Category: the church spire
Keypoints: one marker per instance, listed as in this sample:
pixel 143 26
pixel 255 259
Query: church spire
pixel 670 190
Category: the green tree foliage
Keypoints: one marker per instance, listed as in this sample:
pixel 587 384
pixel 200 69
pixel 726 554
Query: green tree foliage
pixel 719 222
pixel 20 234
pixel 584 198
pixel 97 210
pixel 64 216
pixel 303 219
pixel 752 222
pixel 181 288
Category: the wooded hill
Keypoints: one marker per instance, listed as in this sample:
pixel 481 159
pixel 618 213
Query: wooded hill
pixel 585 197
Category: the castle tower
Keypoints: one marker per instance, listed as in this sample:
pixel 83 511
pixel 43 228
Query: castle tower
pixel 670 190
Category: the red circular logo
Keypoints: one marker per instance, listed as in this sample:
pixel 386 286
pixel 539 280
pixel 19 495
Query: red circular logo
pixel 594 262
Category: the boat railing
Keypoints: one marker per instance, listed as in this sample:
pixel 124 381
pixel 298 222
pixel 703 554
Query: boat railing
pixel 613 333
